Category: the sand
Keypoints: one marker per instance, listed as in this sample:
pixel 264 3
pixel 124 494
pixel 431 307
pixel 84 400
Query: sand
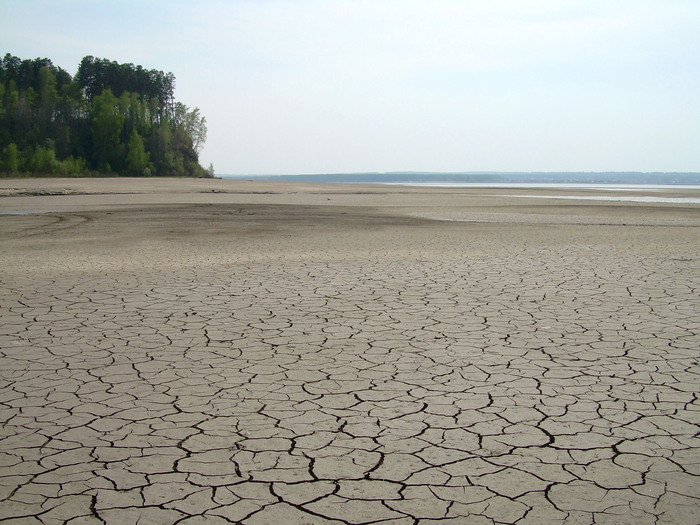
pixel 213 351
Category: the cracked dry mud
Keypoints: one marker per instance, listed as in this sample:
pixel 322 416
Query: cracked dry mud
pixel 267 364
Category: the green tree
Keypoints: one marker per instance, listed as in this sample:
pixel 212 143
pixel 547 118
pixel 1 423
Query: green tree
pixel 48 95
pixel 106 128
pixel 137 158
pixel 10 158
pixel 112 117
pixel 192 123
pixel 43 161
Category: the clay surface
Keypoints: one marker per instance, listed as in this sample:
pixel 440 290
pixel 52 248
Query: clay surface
pixel 213 351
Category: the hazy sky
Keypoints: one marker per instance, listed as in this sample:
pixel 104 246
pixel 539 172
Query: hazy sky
pixel 319 86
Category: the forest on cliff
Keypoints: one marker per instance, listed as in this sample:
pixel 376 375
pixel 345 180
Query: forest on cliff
pixel 108 119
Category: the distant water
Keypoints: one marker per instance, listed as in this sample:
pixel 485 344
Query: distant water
pixel 481 179
pixel 617 198
pixel 370 178
pixel 580 186
pixel 551 185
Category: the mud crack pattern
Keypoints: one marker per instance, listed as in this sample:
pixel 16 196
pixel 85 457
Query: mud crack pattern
pixel 555 386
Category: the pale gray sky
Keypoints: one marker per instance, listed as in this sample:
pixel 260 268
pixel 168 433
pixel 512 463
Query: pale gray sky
pixel 318 86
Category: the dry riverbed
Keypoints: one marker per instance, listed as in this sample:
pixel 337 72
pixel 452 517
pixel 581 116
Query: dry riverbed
pixel 216 351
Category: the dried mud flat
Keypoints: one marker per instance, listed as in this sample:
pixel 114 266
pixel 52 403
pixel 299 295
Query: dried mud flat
pixel 193 351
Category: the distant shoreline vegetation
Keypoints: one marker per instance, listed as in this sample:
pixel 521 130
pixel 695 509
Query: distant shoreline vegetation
pixel 611 177
pixel 110 119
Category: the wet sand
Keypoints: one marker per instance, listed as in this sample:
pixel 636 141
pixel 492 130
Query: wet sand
pixel 216 351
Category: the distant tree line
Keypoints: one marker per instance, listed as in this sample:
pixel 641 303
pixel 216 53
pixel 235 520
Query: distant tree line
pixel 110 119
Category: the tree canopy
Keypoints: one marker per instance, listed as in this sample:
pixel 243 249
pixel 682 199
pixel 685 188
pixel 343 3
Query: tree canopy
pixel 109 119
